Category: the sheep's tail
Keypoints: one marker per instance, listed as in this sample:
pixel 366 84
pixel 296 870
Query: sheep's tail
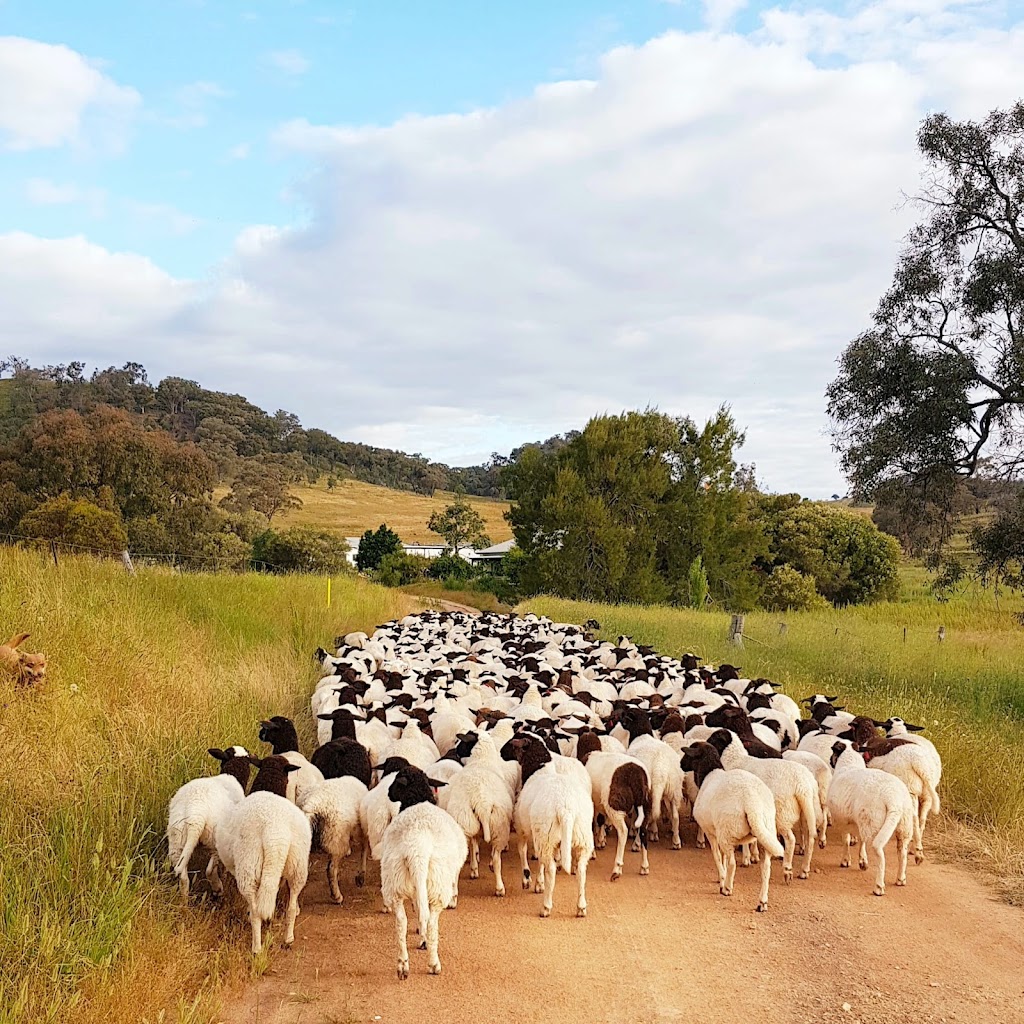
pixel 263 879
pixel 186 833
pixel 422 899
pixel 764 835
pixel 809 812
pixel 889 826
pixel 566 843
pixel 933 793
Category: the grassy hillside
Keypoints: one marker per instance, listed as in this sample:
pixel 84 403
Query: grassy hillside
pixel 146 672
pixel 966 690
pixel 354 507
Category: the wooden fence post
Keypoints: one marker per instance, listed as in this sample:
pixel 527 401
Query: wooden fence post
pixel 126 561
pixel 783 629
pixel 942 633
pixel 736 630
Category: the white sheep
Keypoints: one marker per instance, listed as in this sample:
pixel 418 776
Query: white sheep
pixel 621 786
pixel 198 806
pixel 265 840
pixel 874 805
pixel 732 808
pixel 333 813
pixel 422 852
pixel 554 812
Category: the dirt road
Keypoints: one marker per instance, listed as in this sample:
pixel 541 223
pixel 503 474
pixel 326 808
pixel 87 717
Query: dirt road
pixel 661 949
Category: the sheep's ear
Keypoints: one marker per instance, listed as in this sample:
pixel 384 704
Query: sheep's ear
pixel 291 768
pixel 326 718
pixel 435 783
pixel 257 761
pixel 914 728
pixel 217 753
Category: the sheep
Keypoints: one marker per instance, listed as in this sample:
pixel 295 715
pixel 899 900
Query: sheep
pixel 794 790
pixel 414 745
pixel 553 812
pixel 621 786
pixel 823 776
pixel 265 840
pixel 422 852
pixel 280 733
pixel 662 765
pixel 197 807
pixel 875 806
pixel 333 813
pixel 478 798
pixel 732 808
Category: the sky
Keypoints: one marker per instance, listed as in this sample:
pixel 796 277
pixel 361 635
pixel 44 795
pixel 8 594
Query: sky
pixel 453 227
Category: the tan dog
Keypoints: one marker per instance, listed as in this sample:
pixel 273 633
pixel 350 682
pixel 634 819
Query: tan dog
pixel 27 669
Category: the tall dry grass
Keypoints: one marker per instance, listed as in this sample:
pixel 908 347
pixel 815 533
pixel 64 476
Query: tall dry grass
pixel 968 690
pixel 145 673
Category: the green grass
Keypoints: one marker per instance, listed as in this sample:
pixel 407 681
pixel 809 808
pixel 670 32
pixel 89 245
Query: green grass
pixel 968 690
pixel 145 673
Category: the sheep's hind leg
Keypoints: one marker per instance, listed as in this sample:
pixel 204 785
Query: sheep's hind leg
pixel 293 912
pixel 525 862
pixel 548 871
pixel 620 847
pixel 766 874
pixel 499 884
pixel 879 848
pixel 789 849
pixel 902 848
pixel 474 858
pixel 581 896
pixel 332 880
pixel 401 927
pixel 433 960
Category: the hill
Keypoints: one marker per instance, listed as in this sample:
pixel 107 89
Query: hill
pixel 354 507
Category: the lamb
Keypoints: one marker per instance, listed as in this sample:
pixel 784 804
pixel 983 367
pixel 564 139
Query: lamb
pixel 553 812
pixel 732 808
pixel 199 805
pixel 280 733
pixel 875 806
pixel 333 813
pixel 621 787
pixel 794 790
pixel 422 852
pixel 265 840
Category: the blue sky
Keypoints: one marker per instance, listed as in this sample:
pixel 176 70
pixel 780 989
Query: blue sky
pixel 452 227
pixel 216 78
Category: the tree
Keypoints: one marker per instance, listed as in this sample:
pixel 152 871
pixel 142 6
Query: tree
pixel 262 486
pixel 332 482
pixel 460 525
pixel 622 510
pixel 301 549
pixel 399 569
pixel 77 523
pixel 848 557
pixel 787 589
pixel 935 387
pixel 374 545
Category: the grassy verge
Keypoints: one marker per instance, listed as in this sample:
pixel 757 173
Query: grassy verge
pixel 968 690
pixel 145 673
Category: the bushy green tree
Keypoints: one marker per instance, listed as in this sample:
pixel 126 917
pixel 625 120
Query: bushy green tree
pixel 375 545
pixel 621 511
pixel 460 525
pixel 301 549
pixel 698 584
pixel 77 523
pixel 849 558
pixel 450 566
pixel 263 486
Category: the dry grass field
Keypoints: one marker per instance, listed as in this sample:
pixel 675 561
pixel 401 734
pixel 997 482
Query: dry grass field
pixel 354 507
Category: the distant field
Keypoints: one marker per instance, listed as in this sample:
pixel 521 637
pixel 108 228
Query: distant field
pixel 354 507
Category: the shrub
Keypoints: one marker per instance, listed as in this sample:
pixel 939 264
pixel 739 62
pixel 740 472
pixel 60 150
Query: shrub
pixel 300 549
pixel 450 567
pixel 788 589
pixel 76 523
pixel 697 580
pixel 375 545
pixel 399 569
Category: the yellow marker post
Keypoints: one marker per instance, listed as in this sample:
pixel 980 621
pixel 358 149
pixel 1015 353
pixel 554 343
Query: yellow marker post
pixel 328 591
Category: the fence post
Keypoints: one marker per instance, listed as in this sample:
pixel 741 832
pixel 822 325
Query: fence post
pixel 126 561
pixel 942 633
pixel 736 630
pixel 783 629
pixel 53 551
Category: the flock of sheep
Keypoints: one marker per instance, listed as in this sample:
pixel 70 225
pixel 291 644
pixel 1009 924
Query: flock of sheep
pixel 444 731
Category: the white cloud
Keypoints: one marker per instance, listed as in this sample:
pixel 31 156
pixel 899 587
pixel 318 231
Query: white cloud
pixel 163 216
pixel 240 152
pixel 53 96
pixel 710 219
pixel 43 192
pixel 718 14
pixel 291 62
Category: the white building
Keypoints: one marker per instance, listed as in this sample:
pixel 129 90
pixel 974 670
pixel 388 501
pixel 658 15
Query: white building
pixel 425 551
